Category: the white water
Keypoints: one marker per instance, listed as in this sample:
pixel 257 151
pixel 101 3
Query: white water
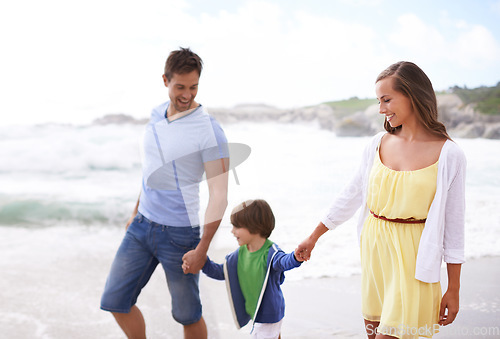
pixel 66 192
pixel 85 178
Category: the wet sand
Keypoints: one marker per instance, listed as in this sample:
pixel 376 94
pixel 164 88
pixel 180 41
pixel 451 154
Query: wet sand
pixel 55 294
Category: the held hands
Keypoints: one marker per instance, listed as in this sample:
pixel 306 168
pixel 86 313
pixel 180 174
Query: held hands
pixel 298 257
pixel 193 261
pixel 303 251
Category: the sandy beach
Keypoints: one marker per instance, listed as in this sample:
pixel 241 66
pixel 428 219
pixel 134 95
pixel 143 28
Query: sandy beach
pixel 62 222
pixel 41 298
pixel 330 307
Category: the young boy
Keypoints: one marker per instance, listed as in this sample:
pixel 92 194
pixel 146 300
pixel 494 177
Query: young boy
pixel 255 271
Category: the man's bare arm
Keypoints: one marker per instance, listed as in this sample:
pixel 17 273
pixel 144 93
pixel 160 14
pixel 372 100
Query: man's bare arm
pixel 217 180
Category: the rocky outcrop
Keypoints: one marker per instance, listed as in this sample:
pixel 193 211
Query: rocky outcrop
pixel 118 119
pixel 358 124
pixel 464 121
pixel 460 120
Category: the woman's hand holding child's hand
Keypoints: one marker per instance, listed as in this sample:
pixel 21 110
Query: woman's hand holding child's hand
pixel 303 251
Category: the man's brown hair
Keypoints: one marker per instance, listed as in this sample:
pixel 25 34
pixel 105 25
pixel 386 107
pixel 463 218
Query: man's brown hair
pixel 182 61
pixel 254 215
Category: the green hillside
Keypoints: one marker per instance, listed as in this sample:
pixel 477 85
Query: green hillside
pixel 487 99
pixel 352 105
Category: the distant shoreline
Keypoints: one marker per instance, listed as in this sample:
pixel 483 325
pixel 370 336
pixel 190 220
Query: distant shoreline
pixel 354 119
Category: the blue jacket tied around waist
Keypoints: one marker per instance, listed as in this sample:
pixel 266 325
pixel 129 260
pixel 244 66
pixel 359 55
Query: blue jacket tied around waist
pixel 271 304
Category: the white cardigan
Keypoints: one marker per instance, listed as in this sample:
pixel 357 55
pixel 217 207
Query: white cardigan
pixel 443 234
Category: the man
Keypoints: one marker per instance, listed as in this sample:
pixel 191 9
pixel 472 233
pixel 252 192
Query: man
pixel 181 142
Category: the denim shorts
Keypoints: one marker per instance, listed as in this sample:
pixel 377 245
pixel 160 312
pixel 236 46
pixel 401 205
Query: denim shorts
pixel 145 245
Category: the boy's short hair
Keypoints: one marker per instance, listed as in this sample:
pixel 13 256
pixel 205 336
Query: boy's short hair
pixel 254 215
pixel 182 61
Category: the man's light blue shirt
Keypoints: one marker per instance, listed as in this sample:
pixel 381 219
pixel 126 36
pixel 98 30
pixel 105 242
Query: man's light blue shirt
pixel 173 164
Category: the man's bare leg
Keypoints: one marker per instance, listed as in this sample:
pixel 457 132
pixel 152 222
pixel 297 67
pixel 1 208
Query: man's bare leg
pixel 132 323
pixel 197 330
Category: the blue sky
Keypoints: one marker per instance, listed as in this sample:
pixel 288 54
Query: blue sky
pixel 73 61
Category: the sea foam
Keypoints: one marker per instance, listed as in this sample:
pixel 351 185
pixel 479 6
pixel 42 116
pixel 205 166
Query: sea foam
pixel 82 178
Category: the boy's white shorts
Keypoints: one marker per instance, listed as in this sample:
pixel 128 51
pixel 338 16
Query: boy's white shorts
pixel 267 331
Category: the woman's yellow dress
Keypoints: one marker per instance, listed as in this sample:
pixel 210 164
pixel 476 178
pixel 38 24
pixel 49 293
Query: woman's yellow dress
pixel 404 306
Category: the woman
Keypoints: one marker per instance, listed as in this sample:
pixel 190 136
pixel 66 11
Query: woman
pixel 410 186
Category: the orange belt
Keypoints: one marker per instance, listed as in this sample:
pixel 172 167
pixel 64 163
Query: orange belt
pixel 402 221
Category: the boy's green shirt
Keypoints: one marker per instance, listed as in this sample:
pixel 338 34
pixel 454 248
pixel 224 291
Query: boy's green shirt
pixel 252 267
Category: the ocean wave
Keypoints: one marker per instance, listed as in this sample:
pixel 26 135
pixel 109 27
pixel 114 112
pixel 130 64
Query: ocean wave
pixel 68 149
pixel 65 176
pixel 33 213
